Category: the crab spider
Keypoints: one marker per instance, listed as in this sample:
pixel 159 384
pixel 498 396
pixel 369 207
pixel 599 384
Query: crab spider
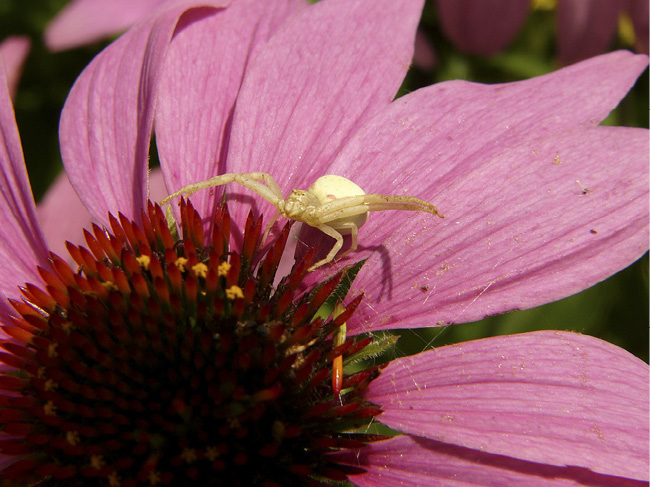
pixel 333 204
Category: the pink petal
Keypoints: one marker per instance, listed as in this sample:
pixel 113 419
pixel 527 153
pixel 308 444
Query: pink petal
pixel 518 229
pixel 63 216
pixel 157 189
pixel 536 233
pixel 22 246
pixel 85 21
pixel 549 397
pixel 414 462
pixel 14 50
pixel 480 27
pixel 585 28
pixel 323 74
pixel 199 87
pixel 107 119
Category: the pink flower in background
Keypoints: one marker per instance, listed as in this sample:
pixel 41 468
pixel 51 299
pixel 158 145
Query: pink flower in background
pixel 483 28
pixel 85 21
pixel 14 51
pixel 585 28
pixel 539 202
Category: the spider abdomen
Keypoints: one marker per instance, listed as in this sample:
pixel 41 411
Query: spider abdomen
pixel 329 188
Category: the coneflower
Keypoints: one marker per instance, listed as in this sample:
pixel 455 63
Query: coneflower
pixel 176 362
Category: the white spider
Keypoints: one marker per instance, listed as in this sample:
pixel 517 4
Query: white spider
pixel 333 204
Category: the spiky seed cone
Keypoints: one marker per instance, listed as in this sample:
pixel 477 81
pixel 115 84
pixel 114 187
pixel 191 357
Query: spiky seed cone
pixel 163 362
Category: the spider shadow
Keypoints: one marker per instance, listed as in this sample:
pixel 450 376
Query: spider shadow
pixel 311 237
pixel 241 199
pixel 267 211
pixel 386 283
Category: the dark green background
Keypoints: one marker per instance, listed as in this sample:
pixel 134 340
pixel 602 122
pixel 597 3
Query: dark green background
pixel 615 310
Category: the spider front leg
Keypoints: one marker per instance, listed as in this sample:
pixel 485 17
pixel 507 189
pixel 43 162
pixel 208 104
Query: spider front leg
pixel 355 205
pixel 258 182
pixel 345 215
pixel 190 189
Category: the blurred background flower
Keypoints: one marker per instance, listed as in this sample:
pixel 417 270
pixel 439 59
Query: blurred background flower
pixel 14 51
pixel 83 22
pixel 583 28
pixel 615 310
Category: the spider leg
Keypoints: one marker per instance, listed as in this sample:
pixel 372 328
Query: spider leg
pixel 270 224
pixel 270 191
pixel 267 189
pixel 327 230
pixel 356 205
pixel 380 202
pixel 193 188
pixel 354 232
pixel 340 208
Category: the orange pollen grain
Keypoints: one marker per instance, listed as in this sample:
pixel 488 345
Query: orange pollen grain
pixel 223 269
pixel 154 477
pixel 72 437
pixel 189 455
pixel 200 270
pixel 211 453
pixel 109 286
pixel 143 261
pixel 181 264
pixel 234 292
pixel 114 480
pixel 49 408
pixel 97 462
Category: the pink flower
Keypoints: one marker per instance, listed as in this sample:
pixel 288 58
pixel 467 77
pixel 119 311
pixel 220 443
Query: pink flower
pixel 85 21
pixel 521 171
pixel 585 28
pixel 540 408
pixel 13 52
pixel 483 28
pixel 539 202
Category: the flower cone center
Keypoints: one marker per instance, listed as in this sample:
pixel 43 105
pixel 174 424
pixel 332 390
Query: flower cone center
pixel 166 361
